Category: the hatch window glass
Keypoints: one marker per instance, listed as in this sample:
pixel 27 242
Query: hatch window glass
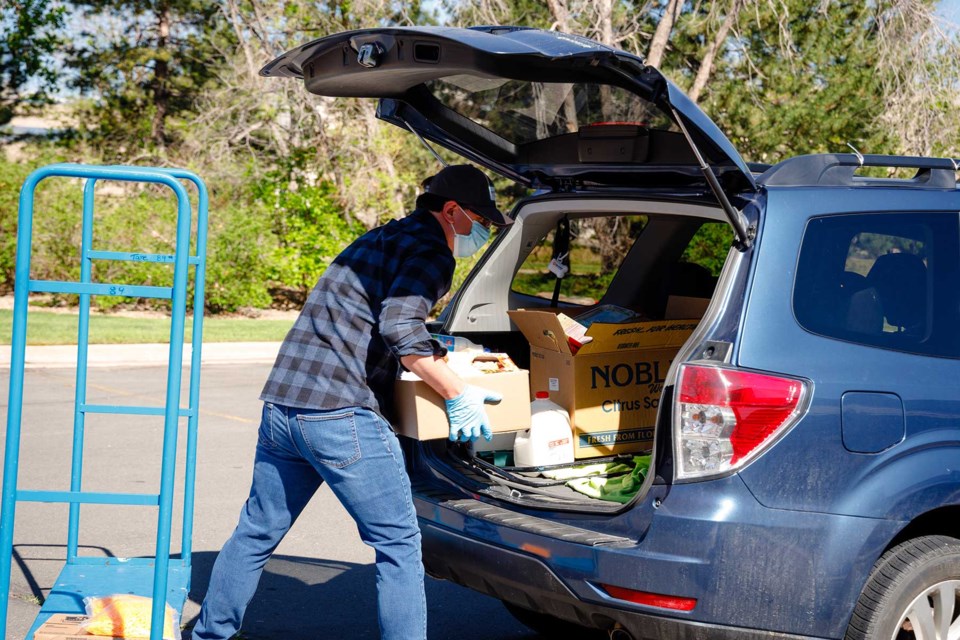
pixel 522 112
pixel 885 280
pixel 596 250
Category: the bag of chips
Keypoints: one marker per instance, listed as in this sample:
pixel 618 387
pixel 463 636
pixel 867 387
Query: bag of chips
pixel 127 616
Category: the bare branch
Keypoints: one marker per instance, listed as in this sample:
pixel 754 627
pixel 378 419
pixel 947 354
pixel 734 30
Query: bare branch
pixel 706 65
pixel 561 16
pixel 920 76
pixel 662 35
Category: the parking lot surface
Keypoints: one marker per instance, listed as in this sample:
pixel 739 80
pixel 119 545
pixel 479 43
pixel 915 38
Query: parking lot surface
pixel 320 583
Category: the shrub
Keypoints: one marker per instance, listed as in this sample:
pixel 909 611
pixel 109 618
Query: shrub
pixel 239 252
pixel 12 176
pixel 135 218
pixel 310 230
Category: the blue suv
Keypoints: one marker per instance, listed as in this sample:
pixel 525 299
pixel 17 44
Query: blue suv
pixel 805 471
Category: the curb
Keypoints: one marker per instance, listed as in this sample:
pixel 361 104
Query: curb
pixel 144 355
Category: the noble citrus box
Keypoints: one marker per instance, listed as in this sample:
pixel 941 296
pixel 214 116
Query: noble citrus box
pixel 612 385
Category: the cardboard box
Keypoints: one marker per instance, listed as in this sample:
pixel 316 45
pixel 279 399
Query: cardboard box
pixel 685 307
pixel 63 626
pixel 612 386
pixel 421 413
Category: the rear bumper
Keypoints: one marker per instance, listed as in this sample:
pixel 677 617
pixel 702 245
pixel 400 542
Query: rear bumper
pixel 526 581
pixel 754 572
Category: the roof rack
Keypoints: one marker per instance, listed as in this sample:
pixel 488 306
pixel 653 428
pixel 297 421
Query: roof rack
pixel 839 170
pixel 758 167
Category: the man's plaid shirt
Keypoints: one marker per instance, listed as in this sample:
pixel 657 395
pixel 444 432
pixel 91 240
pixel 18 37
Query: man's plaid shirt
pixel 367 310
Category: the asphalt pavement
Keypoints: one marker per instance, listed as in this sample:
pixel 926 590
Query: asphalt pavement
pixel 320 583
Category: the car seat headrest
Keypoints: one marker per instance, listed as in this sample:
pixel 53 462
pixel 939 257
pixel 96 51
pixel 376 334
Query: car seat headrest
pixel 901 283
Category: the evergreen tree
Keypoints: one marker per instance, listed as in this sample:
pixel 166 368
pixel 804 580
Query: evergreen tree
pixel 144 62
pixel 28 38
pixel 795 77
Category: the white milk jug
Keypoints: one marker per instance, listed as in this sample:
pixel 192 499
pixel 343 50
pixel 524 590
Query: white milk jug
pixel 549 439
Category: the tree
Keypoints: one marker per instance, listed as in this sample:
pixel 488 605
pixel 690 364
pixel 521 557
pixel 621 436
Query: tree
pixel 552 14
pixel 303 174
pixel 271 123
pixel 792 77
pixel 919 78
pixel 661 37
pixel 716 45
pixel 28 38
pixel 144 62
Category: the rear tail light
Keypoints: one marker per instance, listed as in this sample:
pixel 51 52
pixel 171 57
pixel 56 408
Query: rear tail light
pixel 651 599
pixel 724 418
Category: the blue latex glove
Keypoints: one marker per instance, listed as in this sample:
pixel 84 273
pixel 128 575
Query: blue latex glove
pixel 468 419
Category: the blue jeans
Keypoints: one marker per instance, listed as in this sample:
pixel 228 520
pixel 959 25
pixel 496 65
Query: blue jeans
pixel 355 452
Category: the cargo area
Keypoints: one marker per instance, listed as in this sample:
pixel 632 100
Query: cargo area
pixel 594 301
pixel 612 396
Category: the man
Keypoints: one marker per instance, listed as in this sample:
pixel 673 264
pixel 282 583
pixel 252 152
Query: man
pixel 332 383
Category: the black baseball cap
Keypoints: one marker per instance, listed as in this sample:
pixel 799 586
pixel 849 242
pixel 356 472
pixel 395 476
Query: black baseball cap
pixel 470 188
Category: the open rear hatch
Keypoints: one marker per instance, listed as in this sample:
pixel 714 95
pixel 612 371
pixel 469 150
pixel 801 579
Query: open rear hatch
pixel 550 111
pixel 546 109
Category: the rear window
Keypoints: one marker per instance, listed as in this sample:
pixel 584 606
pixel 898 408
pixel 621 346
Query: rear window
pixel 597 248
pixel 687 264
pixel 885 280
pixel 523 112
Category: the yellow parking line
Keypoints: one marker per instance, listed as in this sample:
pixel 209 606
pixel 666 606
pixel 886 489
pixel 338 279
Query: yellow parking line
pixel 227 416
pixel 130 394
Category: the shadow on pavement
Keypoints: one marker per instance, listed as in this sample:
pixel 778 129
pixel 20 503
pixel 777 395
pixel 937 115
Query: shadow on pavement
pixel 308 598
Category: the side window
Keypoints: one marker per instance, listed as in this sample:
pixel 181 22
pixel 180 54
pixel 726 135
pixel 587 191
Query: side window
pixel 886 280
pixel 692 274
pixel 597 248
pixel 709 247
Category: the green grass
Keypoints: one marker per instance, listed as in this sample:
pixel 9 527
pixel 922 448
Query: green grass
pixel 44 327
pixel 576 285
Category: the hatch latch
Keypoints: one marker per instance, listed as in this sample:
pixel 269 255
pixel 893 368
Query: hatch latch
pixel 369 55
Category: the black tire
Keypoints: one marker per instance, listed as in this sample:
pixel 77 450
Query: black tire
pixel 550 627
pixel 898 601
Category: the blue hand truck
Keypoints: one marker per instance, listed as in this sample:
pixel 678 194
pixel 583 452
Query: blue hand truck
pixel 164 579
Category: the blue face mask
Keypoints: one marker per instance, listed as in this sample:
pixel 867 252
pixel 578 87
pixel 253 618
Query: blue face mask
pixel 465 246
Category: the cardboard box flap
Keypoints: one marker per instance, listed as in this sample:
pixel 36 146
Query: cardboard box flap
pixel 685 307
pixel 637 335
pixel 542 329
pixel 67 626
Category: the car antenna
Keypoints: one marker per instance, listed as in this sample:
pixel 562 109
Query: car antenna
pixel 425 143
pixel 858 154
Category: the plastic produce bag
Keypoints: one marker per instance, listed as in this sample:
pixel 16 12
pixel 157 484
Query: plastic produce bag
pixel 585 471
pixel 620 489
pixel 127 616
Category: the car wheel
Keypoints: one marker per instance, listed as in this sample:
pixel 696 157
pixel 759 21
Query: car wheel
pixel 550 627
pixel 913 593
